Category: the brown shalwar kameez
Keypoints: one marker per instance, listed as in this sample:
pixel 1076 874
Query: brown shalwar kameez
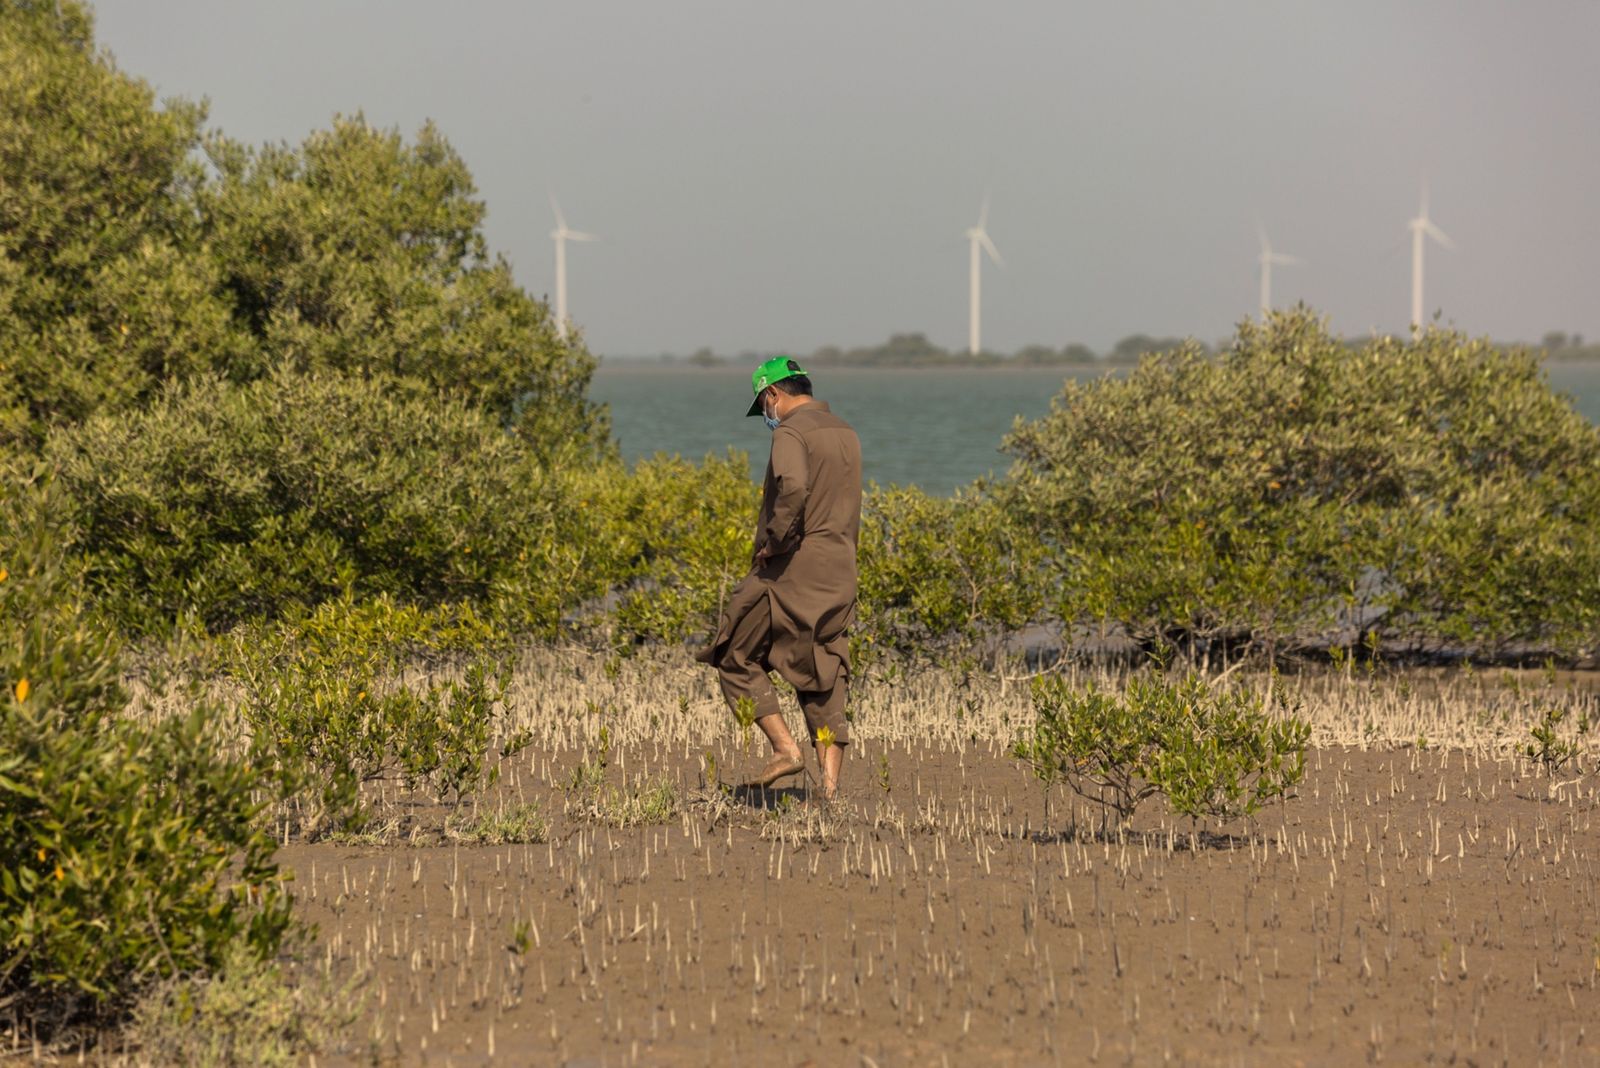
pixel 791 612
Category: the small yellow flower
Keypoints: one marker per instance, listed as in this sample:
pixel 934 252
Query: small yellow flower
pixel 825 737
pixel 22 690
pixel 124 329
pixel 42 855
pixel 60 874
pixel 361 695
pixel 4 574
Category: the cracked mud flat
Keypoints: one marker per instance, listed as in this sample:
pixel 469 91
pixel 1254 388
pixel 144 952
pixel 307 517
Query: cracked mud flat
pixel 1409 906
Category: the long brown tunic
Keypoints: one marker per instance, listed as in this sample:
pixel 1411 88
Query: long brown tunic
pixel 810 518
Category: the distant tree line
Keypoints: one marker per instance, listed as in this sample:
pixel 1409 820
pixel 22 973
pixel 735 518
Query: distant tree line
pixel 1559 345
pixel 915 350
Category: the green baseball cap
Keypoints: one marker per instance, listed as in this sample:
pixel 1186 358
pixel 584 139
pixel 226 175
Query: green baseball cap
pixel 774 370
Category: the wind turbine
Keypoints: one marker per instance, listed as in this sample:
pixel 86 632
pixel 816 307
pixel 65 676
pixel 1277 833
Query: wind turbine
pixel 562 235
pixel 980 239
pixel 1422 226
pixel 1267 259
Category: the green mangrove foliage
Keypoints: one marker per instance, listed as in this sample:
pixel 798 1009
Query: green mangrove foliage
pixel 1213 754
pixel 361 254
pixel 1437 490
pixel 671 540
pixel 128 852
pixel 225 504
pixel 332 702
pixel 937 571
pixel 1292 490
pixel 136 248
pixel 232 503
pixel 101 295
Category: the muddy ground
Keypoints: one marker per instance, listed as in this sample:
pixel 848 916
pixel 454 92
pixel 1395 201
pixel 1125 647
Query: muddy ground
pixel 1409 906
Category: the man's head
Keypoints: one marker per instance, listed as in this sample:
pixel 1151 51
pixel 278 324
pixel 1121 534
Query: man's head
pixel 776 384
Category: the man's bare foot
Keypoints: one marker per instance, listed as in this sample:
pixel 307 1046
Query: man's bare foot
pixel 780 766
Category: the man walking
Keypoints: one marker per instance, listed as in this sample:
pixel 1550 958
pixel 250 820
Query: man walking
pixel 790 613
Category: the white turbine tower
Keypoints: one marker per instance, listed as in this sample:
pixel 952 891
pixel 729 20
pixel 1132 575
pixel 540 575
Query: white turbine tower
pixel 1267 259
pixel 980 239
pixel 1422 227
pixel 562 235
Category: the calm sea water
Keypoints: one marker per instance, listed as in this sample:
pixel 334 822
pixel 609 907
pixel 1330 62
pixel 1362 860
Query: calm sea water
pixel 937 429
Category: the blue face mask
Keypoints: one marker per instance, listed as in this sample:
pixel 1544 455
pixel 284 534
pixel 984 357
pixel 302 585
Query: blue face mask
pixel 772 424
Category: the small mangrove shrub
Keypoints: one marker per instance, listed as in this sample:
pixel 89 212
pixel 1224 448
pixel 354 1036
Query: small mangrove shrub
pixel 1550 747
pixel 1212 754
pixel 332 701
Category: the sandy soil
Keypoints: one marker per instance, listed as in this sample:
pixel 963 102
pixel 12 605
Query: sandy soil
pixel 1409 906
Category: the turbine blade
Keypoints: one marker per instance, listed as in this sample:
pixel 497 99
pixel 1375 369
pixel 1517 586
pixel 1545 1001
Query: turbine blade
pixel 983 212
pixel 1285 259
pixel 994 253
pixel 561 223
pixel 579 235
pixel 1438 235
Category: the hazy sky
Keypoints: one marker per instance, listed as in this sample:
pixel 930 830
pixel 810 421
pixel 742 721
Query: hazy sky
pixel 780 176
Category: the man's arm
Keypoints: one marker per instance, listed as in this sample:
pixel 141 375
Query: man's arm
pixel 781 534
